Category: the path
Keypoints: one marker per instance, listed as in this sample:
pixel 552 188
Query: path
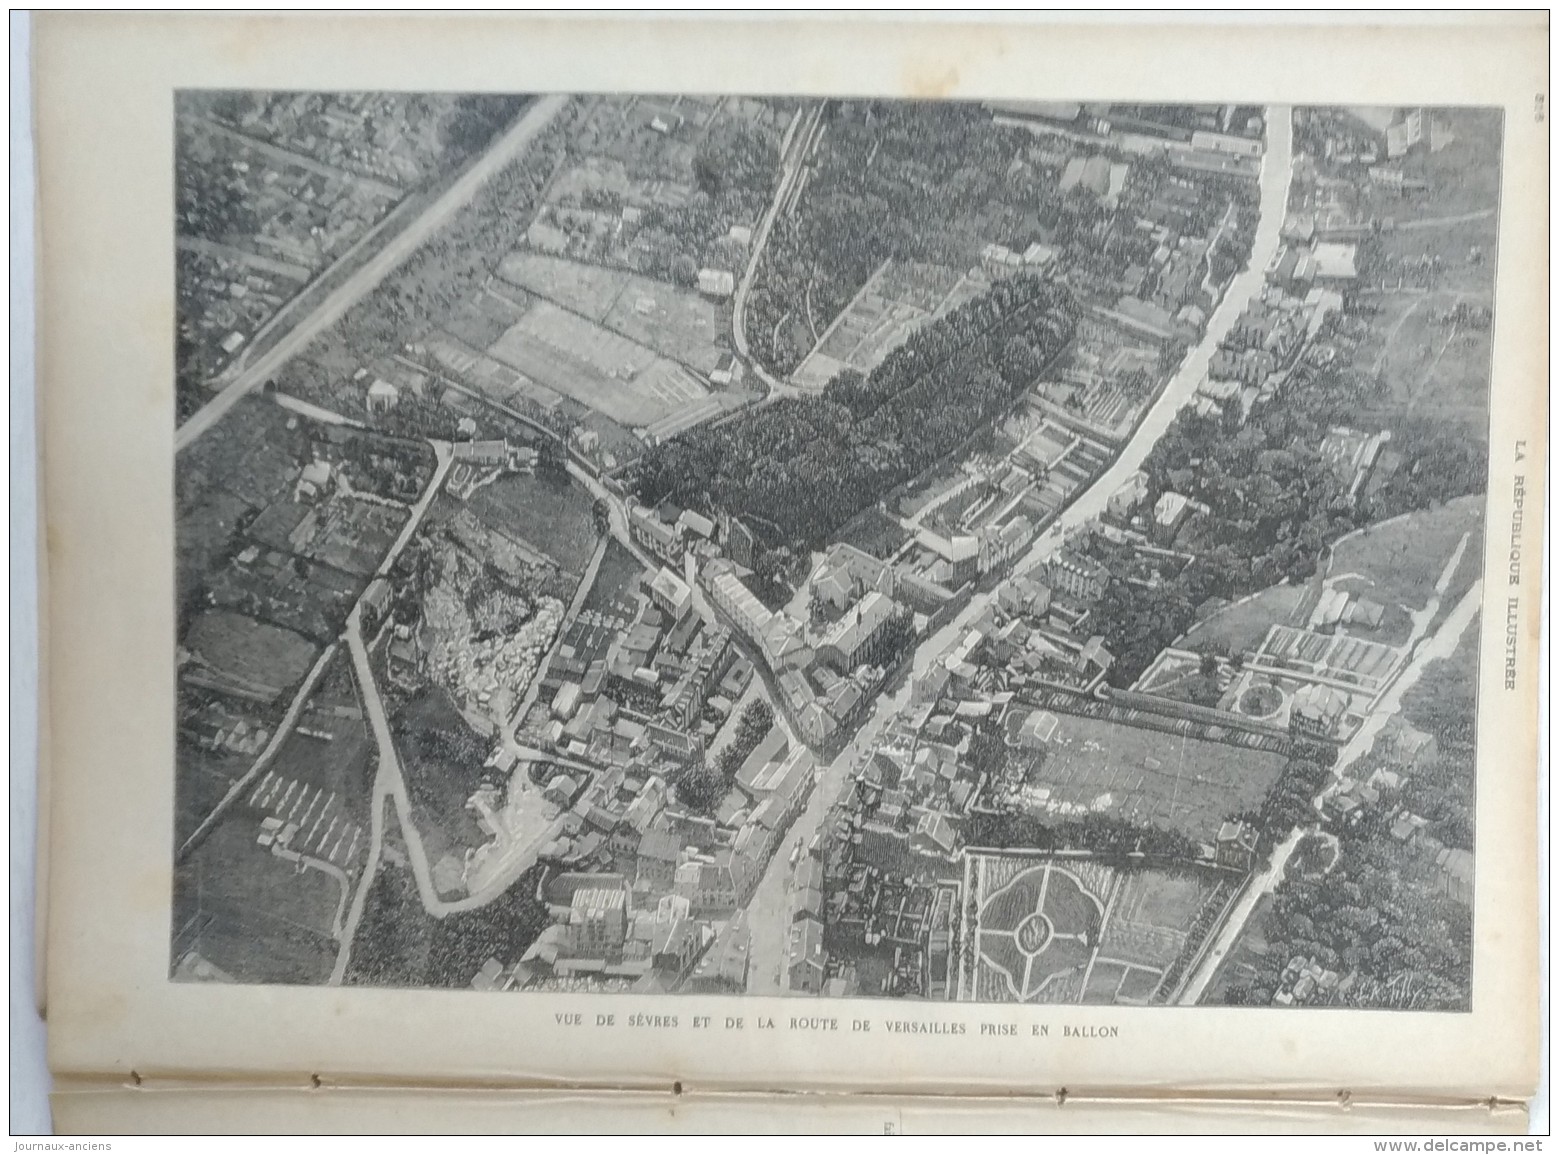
pixel 506 149
pixel 286 156
pixel 1438 222
pixel 1442 645
pixel 790 168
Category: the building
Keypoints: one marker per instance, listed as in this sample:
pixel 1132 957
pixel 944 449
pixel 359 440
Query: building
pixel 862 636
pixel 723 969
pixel 716 282
pixel 656 862
pixel 671 594
pixel 1335 262
pixel 1079 578
pixel 1455 872
pixel 312 481
pixel 483 453
pixel 808 961
pixel 598 917
pixel 1316 710
pixel 1236 846
pixel 1000 545
pixel 778 636
pixel 654 536
pixel 1405 133
pixel 696 524
pixel 382 396
pixel 707 884
pixel 1124 501
pixel 1170 512
pixel 1038 256
pixel 961 553
pixel 847 573
pixel 1220 142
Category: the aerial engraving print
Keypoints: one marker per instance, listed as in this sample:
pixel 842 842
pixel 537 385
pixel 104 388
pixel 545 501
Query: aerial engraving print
pixel 989 552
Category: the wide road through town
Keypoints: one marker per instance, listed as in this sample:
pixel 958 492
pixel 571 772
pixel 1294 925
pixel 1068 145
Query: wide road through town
pixel 510 146
pixel 769 912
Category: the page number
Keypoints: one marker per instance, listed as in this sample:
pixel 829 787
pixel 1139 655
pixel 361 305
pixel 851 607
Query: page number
pixel 1537 107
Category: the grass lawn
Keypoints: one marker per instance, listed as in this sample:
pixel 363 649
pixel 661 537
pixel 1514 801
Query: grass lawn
pixel 875 533
pixel 259 917
pixel 1146 776
pixel 1404 557
pixel 250 652
pixel 554 515
pixel 1241 626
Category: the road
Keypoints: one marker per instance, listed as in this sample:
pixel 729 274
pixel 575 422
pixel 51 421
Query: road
pixel 1442 644
pixel 1440 222
pixel 509 147
pixel 768 912
pixel 790 168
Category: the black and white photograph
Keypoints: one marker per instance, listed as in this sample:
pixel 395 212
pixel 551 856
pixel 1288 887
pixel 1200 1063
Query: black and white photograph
pixel 944 550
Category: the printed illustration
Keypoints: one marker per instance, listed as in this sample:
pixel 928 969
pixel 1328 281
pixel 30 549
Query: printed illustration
pixel 969 552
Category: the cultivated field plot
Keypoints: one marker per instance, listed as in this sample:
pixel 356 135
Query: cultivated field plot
pixel 244 657
pixel 1150 777
pixel 490 378
pixel 602 370
pixel 1044 929
pixel 353 535
pixel 1354 661
pixel 1242 626
pixel 677 323
pixel 553 516
pixel 898 299
pixel 257 914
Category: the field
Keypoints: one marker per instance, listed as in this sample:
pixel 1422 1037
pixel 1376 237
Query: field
pixel 257 916
pixel 552 516
pixel 615 582
pixel 677 323
pixel 248 657
pixel 899 298
pixel 1146 776
pixel 1241 626
pixel 601 370
pixel 1433 367
pixel 1068 930
pixel 1401 561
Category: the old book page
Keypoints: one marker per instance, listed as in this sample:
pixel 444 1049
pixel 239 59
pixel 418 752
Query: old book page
pixel 852 557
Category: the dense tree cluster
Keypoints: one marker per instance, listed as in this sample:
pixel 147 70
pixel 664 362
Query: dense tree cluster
pixel 1109 837
pixel 933 182
pixel 703 786
pixel 803 467
pixel 1275 503
pixel 1375 917
pixel 400 944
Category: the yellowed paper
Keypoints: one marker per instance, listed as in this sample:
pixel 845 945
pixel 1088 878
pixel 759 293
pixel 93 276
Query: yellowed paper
pixel 107 88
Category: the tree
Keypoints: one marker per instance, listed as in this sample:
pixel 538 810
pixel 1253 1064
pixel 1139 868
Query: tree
pixel 701 788
pixel 601 515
